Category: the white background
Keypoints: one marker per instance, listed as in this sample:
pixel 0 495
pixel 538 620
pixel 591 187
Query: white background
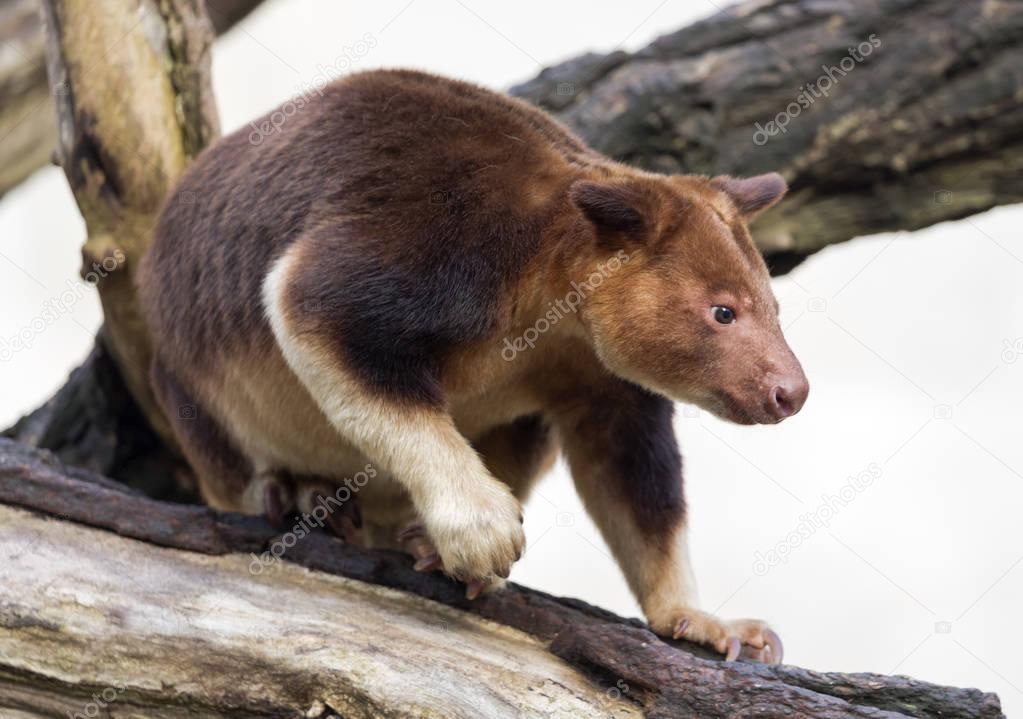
pixel 910 322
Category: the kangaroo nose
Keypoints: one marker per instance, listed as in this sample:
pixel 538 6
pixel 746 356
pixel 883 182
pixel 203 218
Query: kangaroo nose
pixel 787 397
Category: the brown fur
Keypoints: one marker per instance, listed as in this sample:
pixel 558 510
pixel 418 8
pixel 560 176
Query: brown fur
pixel 344 292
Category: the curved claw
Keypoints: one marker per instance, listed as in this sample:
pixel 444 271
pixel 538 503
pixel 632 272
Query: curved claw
pixel 475 589
pixel 680 629
pixel 412 531
pixel 353 511
pixel 335 523
pixel 775 645
pixel 428 563
pixel 734 647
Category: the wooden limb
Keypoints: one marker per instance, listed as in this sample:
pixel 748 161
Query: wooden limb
pixel 25 146
pixel 926 128
pixel 122 150
pixel 168 602
pixel 28 124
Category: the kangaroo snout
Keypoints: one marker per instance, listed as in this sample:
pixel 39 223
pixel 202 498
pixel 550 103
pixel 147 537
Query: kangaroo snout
pixel 787 395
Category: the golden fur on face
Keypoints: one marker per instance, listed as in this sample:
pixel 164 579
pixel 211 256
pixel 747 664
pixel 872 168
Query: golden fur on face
pixel 653 321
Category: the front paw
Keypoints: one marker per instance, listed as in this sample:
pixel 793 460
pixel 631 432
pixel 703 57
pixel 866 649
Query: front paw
pixel 478 538
pixel 735 638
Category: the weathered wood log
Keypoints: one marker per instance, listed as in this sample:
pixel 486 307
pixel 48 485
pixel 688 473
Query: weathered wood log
pixel 177 618
pixel 28 124
pixel 24 91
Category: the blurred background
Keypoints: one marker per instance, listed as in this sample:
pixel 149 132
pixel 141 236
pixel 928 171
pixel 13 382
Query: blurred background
pixel 913 344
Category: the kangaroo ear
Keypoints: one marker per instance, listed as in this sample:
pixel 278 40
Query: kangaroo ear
pixel 753 195
pixel 611 208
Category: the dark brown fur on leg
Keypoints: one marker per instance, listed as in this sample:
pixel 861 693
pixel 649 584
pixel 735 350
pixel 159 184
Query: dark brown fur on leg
pixel 621 447
pixel 625 461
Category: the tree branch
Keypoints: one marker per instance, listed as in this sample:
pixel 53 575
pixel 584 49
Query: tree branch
pixel 925 129
pixel 122 150
pixel 168 601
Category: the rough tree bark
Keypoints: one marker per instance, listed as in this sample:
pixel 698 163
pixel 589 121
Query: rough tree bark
pixel 178 620
pixel 122 150
pixel 159 592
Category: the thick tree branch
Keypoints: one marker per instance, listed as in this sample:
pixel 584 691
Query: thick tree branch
pixel 123 150
pixel 169 603
pixel 925 129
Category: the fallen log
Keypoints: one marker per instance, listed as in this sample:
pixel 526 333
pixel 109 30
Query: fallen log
pixel 173 610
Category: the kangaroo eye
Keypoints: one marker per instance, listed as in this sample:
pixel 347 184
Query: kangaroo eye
pixel 724 315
